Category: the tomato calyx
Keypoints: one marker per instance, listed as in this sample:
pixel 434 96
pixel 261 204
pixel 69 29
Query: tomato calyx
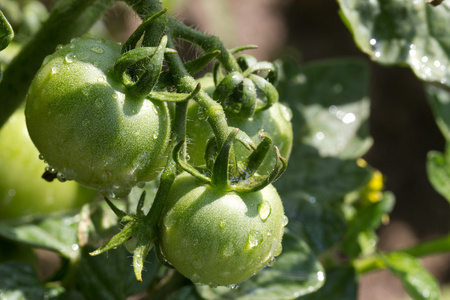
pixel 227 175
pixel 248 91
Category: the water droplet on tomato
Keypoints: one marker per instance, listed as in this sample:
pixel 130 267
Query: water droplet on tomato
pixel 233 286
pixel 196 278
pixel 41 157
pixel 55 70
pixel 61 177
pixel 69 58
pixel 74 40
pixel 96 49
pixel 286 113
pixel 58 47
pixel 141 184
pixel 222 224
pixel 155 109
pixel 254 239
pixel 271 262
pixel 155 136
pixel 228 250
pixel 285 221
pixel 197 264
pixel 101 79
pixel 264 210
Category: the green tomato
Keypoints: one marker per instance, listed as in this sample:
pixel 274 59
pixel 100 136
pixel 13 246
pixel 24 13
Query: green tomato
pixel 86 125
pixel 220 238
pixel 276 121
pixel 22 190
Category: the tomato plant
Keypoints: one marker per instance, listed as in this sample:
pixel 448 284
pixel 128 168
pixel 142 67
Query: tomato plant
pixel 220 238
pixel 203 158
pixel 86 125
pixel 22 189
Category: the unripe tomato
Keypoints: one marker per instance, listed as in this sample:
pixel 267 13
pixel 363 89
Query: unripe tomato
pixel 220 238
pixel 276 121
pixel 86 125
pixel 22 190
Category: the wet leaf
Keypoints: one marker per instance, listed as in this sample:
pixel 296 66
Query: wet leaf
pixel 419 284
pixel 19 281
pixel 403 32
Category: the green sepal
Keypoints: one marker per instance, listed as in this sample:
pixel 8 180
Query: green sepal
pixel 131 57
pixel 242 48
pixel 252 163
pixel 118 212
pixel 196 65
pixel 174 97
pixel 187 166
pixel 144 245
pixel 227 85
pixel 267 89
pixel 144 85
pixel 220 173
pixel 137 34
pixel 257 182
pixel 129 230
pixel 245 61
pixel 272 74
pixel 6 32
pixel 248 103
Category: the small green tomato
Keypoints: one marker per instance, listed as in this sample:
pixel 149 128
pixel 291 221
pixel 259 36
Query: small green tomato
pixel 220 238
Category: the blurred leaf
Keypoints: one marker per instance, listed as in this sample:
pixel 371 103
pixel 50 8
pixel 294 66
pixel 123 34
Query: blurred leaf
pixel 419 284
pixel 110 275
pixel 403 32
pixel 361 227
pixel 19 281
pixel 296 272
pixel 341 284
pixel 321 226
pixel 185 293
pixel 326 179
pixel 330 105
pixel 438 169
pixel 440 105
pixel 57 233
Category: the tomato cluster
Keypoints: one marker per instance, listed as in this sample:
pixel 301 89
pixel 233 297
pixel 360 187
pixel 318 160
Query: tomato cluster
pixel 90 126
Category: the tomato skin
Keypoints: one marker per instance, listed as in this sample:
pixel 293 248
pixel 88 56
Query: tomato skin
pixel 276 121
pixel 220 238
pixel 84 123
pixel 22 190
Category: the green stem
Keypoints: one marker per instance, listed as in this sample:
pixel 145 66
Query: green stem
pixel 69 18
pixel 435 246
pixel 205 41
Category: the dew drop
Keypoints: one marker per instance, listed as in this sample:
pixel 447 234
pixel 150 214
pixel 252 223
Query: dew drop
pixel 196 278
pixel 155 136
pixel 58 47
pixel 96 49
pixel 222 224
pixel 101 79
pixel 141 184
pixel 254 239
pixel 264 210
pixel 54 70
pixel 228 250
pixel 41 157
pixel 69 58
pixel 155 109
pixel 285 221
pixel 373 42
pixel 233 286
pixel 61 177
pixel 286 112
pixel 74 40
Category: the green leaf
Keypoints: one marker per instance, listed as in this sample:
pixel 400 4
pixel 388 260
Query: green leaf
pixel 326 179
pixel 403 32
pixel 110 275
pixel 57 233
pixel 321 226
pixel 440 105
pixel 341 284
pixel 330 105
pixel 296 272
pixel 6 32
pixel 360 235
pixel 419 284
pixel 19 281
pixel 438 169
